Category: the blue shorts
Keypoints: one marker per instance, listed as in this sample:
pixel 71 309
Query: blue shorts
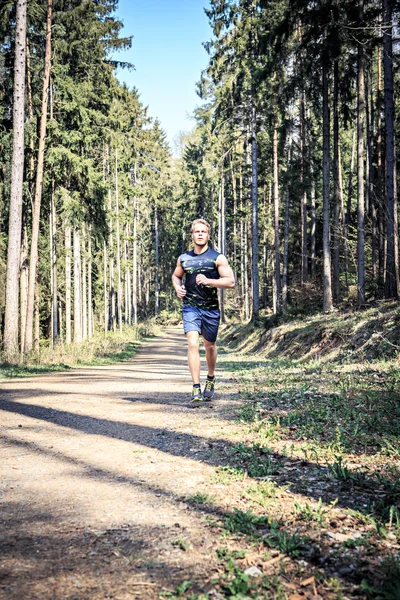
pixel 203 320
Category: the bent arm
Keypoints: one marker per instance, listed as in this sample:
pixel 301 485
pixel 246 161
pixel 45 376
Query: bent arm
pixel 177 276
pixel 226 276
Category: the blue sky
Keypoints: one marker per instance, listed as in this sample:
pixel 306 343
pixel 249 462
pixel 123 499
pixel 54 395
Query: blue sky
pixel 168 56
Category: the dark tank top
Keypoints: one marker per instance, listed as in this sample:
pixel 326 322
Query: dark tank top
pixel 193 264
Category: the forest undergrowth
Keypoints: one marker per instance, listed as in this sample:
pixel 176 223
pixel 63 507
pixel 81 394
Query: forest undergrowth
pixel 101 349
pixel 307 502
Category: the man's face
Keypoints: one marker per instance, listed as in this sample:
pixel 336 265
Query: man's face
pixel 200 235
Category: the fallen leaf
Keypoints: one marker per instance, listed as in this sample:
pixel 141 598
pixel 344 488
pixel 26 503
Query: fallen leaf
pixel 290 586
pixel 273 561
pixel 308 581
pixel 340 537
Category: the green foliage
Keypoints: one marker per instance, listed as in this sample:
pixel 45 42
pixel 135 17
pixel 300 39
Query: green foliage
pixel 316 513
pixel 181 589
pixel 226 475
pixel 244 522
pixel 199 499
pixel 389 586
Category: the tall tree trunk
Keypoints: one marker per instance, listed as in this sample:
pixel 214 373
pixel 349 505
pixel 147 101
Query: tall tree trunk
pixel 53 260
pixel 36 312
pixel 106 306
pixel 24 277
pixel 379 174
pixel 113 322
pixel 39 184
pixel 360 165
pixel 246 270
pixel 285 254
pixel 68 246
pixel 222 236
pixel 392 250
pixel 247 252
pixel 119 289
pixel 303 203
pixel 326 234
pixel 313 228
pixel 77 287
pixel 266 253
pixel 156 278
pixel 370 118
pixel 31 170
pixel 347 220
pixel 254 217
pixel 242 249
pixel 277 276
pixel 135 265
pixel 234 198
pixel 84 304
pixel 17 172
pixel 127 271
pixel 337 190
pixel 90 289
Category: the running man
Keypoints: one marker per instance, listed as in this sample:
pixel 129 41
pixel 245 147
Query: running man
pixel 204 271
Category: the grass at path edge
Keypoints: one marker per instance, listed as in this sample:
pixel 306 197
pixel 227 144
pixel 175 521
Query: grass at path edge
pixel 99 350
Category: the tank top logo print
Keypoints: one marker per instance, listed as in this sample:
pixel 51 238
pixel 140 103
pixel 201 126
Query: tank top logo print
pixel 193 264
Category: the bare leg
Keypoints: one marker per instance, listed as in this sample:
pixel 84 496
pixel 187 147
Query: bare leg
pixel 193 355
pixel 211 356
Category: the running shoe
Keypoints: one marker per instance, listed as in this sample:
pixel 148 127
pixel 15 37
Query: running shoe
pixel 197 396
pixel 208 392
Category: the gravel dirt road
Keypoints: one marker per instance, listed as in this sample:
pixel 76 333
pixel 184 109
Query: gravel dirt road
pixel 97 465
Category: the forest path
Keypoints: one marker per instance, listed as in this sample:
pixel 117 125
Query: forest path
pixel 96 467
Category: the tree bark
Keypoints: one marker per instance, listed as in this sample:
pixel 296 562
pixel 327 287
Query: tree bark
pixel 303 202
pixel 90 289
pixel 326 234
pixel 119 288
pixel 379 174
pixel 106 306
pixel 313 228
pixel 24 278
pixel 77 287
pixel 112 316
pixel 39 184
pixel 68 246
pixel 337 190
pixel 360 164
pixel 53 260
pixel 156 274
pixel 392 250
pixel 277 276
pixel 221 237
pixel 84 303
pixel 285 254
pixel 254 217
pixel 17 171
pixel 135 265
pixel 370 120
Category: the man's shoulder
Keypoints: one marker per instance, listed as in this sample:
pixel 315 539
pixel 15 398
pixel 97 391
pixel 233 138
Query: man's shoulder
pixel 214 254
pixel 186 255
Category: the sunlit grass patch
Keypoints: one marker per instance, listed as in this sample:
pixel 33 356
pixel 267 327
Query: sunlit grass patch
pixel 313 512
pixel 112 348
pixel 199 499
pixel 226 475
pixel 264 493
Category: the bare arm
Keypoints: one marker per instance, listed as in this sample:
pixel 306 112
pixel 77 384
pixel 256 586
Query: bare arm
pixel 226 276
pixel 177 276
